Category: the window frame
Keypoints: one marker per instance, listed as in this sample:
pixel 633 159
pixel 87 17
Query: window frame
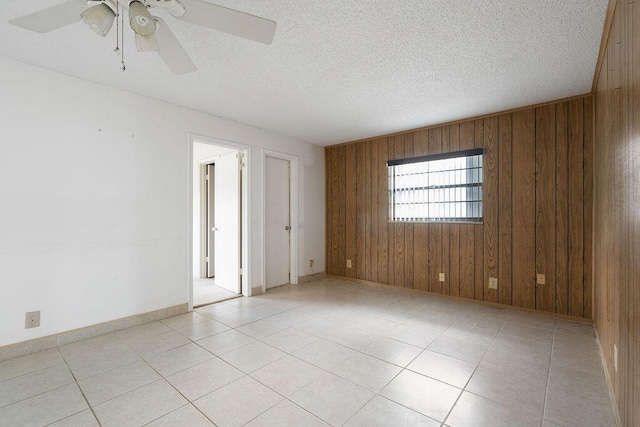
pixel 434 157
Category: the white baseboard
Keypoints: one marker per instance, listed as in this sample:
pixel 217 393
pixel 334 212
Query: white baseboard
pixel 311 277
pixel 44 343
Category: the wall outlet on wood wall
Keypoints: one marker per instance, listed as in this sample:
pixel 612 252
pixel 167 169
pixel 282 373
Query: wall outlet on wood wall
pixel 441 277
pixel 493 283
pixel 540 279
pixel 349 263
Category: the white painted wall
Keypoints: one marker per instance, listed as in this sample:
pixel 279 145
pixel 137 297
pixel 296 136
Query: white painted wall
pixel 94 200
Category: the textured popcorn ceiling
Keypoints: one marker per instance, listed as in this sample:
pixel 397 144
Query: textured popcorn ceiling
pixel 345 70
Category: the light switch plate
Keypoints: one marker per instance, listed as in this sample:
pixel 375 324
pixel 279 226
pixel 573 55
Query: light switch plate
pixel 540 279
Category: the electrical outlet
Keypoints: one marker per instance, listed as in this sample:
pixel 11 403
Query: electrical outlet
pixel 311 263
pixel 493 283
pixel 32 319
pixel 348 263
pixel 441 277
pixel 540 279
pixel 615 357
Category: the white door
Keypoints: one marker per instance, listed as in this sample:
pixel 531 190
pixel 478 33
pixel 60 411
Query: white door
pixel 210 209
pixel 227 222
pixel 277 221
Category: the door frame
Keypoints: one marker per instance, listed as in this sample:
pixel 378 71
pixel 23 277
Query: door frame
pixel 204 210
pixel 293 214
pixel 245 223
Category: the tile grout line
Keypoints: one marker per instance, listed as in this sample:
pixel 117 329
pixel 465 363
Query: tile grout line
pixel 162 377
pixel 81 391
pixel 473 373
pixel 546 389
pixel 310 317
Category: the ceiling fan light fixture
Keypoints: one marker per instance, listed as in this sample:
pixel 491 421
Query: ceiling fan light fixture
pixel 140 19
pixel 99 18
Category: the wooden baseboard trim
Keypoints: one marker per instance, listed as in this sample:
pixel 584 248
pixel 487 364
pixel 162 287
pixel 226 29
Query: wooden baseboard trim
pixel 51 341
pixel 454 298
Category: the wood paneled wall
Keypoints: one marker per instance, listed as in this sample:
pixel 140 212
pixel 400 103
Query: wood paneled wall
pixel 617 206
pixel 537 211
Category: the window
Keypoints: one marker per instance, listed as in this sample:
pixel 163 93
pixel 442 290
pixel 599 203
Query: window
pixel 437 188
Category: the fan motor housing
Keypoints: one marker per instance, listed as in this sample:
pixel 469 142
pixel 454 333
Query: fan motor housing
pixel 174 7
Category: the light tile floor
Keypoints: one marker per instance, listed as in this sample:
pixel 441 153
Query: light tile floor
pixel 205 291
pixel 323 353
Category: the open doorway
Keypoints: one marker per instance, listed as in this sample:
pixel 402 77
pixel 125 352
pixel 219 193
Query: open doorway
pixel 218 219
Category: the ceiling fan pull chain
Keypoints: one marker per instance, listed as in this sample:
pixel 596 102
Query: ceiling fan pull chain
pixel 117 48
pixel 122 66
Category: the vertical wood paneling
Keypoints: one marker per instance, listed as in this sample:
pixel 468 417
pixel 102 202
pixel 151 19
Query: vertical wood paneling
pixel 633 40
pixel 490 206
pixel 467 233
pixel 444 257
pixel 351 215
pixel 614 158
pixel 545 206
pixel 434 245
pixel 588 225
pixel 342 221
pixel 396 230
pixel 375 211
pixel 505 223
pixel 336 239
pixel 524 212
pixel 479 293
pixel 454 229
pixel 534 162
pixel 562 208
pixel 368 211
pixel 383 212
pixel 576 210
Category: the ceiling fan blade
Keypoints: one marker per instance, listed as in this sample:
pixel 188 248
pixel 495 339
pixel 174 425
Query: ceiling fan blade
pixel 52 18
pixel 146 43
pixel 171 51
pixel 228 21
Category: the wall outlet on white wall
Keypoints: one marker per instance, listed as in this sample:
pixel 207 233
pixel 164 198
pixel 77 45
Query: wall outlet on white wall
pixel 32 319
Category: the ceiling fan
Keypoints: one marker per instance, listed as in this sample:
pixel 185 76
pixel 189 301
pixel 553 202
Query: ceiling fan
pixel 151 32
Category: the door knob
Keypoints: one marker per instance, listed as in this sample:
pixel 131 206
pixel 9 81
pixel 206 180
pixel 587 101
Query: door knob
pixel 287 227
pixel 214 229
